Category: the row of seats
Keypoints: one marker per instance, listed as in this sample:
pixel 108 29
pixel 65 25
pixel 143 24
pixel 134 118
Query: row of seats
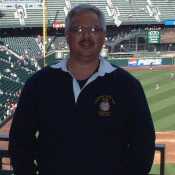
pixel 22 45
pixel 131 12
pixel 13 74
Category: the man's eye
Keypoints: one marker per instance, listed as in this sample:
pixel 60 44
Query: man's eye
pixel 79 30
pixel 75 29
pixel 96 29
pixel 93 29
pixel 89 29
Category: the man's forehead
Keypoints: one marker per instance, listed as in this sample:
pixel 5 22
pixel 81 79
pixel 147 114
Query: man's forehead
pixel 85 17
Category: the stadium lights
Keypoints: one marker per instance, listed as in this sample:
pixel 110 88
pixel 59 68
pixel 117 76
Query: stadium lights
pixel 67 6
pixel 149 3
pixel 117 21
pixel 116 12
pixel 153 11
pixel 149 10
pixel 113 12
pixel 156 13
pixel 108 11
pixel 66 11
pixel 109 3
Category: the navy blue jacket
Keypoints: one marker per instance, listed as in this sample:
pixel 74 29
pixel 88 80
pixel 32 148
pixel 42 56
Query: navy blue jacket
pixel 105 128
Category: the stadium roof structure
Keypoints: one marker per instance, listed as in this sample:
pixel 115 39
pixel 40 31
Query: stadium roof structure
pixel 126 12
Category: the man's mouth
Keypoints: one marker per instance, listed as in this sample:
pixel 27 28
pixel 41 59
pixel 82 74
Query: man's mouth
pixel 86 44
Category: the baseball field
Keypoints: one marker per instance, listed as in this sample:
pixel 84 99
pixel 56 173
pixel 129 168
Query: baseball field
pixel 159 87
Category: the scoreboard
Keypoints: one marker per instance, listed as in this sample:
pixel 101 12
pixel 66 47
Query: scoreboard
pixel 153 36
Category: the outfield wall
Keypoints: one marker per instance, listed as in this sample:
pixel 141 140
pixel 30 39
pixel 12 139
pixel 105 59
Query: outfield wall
pixel 142 62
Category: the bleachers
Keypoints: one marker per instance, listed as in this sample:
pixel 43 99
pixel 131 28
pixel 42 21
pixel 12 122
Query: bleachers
pixel 117 37
pixel 13 74
pixel 57 43
pixel 22 45
pixel 130 12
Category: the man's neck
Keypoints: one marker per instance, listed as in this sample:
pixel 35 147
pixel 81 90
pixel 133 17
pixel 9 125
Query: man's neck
pixel 82 70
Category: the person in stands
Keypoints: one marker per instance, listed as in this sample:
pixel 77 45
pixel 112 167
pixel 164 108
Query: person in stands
pixel 90 118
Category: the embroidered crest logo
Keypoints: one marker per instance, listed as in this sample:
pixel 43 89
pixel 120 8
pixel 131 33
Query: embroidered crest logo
pixel 104 105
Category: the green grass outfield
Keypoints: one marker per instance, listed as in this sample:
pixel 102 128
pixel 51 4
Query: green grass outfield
pixel 169 169
pixel 162 99
pixel 162 104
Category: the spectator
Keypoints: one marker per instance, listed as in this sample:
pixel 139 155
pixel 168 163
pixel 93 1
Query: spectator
pixel 90 118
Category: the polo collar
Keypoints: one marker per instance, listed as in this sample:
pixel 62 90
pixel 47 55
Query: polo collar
pixel 104 67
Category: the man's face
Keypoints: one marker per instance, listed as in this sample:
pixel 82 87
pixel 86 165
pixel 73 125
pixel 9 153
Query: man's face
pixel 85 37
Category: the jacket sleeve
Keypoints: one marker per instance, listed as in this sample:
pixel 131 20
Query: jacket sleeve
pixel 141 145
pixel 22 132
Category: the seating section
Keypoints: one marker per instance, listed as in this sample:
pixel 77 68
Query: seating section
pixel 116 37
pixel 57 43
pixel 131 12
pixel 13 74
pixel 22 45
pixel 32 47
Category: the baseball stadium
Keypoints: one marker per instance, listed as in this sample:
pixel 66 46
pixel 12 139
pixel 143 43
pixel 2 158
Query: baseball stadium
pixel 140 37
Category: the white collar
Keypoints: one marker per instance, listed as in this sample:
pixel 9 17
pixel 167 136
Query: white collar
pixel 105 67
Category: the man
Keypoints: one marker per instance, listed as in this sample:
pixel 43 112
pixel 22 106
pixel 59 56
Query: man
pixel 92 118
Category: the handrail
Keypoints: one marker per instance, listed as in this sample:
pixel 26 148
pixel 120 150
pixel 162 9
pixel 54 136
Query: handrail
pixel 158 147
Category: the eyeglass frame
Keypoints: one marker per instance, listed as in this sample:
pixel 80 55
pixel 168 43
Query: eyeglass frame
pixel 82 29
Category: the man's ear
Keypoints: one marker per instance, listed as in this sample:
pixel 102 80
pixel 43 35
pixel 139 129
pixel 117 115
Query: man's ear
pixel 104 35
pixel 66 34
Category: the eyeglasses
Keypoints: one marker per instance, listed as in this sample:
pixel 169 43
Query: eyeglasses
pixel 82 29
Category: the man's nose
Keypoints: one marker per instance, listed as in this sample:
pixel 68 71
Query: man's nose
pixel 86 34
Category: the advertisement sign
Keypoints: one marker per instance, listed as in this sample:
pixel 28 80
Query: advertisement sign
pixel 169 22
pixel 153 37
pixel 132 62
pixel 58 24
pixel 148 62
pixel 144 62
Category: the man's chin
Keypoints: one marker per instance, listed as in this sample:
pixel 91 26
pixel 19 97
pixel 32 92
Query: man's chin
pixel 87 54
pixel 87 48
pixel 85 57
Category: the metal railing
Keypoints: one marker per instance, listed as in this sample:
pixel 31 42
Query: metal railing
pixel 5 154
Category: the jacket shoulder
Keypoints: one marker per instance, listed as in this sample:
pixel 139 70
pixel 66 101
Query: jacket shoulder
pixel 45 74
pixel 123 76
